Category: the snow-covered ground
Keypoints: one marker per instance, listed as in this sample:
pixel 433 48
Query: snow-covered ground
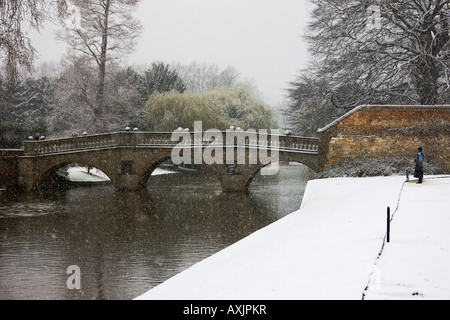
pixel 416 263
pixel 80 174
pixel 330 248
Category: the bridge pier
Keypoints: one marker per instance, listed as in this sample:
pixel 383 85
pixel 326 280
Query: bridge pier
pixel 9 168
pixel 236 178
pixel 27 179
pixel 233 183
pixel 128 182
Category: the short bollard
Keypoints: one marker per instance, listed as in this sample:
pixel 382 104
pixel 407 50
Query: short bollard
pixel 388 231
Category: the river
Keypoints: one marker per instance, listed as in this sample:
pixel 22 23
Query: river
pixel 126 243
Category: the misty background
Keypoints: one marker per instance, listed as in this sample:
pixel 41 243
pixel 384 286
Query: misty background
pixel 262 39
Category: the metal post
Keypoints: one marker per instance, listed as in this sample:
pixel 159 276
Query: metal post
pixel 388 232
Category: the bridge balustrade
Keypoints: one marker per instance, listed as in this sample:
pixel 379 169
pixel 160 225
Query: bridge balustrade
pixel 164 140
pixel 34 148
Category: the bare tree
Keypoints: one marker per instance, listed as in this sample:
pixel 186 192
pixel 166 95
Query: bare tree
pixel 202 78
pixel 74 90
pixel 308 106
pixel 103 30
pixel 376 51
pixel 16 19
pixel 389 47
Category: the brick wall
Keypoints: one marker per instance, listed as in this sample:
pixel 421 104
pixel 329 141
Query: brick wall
pixel 380 131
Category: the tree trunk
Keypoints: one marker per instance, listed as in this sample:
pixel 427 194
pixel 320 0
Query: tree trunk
pixel 427 79
pixel 100 98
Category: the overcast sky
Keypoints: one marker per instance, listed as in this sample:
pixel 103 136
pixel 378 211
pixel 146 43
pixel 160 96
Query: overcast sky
pixel 261 39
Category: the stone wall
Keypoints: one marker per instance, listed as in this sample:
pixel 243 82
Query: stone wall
pixel 388 131
pixel 9 169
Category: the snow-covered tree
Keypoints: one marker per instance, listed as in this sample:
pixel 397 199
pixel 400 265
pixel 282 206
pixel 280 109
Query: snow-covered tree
pixel 29 107
pixel 202 77
pixel 160 78
pixel 126 93
pixel 17 18
pixel 15 47
pixel 369 51
pixel 74 99
pixel 103 31
pixel 32 102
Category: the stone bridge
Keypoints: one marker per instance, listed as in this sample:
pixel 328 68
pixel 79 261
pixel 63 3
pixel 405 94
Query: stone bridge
pixel 129 158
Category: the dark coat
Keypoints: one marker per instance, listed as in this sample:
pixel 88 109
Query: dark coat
pixel 418 170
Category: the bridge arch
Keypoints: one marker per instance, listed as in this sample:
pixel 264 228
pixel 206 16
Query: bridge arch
pixel 45 168
pixel 51 178
pixel 249 173
pixel 252 176
pixel 151 168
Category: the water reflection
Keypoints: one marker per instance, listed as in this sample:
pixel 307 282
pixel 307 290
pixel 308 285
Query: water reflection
pixel 127 243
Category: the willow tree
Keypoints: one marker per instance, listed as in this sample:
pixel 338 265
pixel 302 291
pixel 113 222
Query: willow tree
pixel 217 109
pixel 102 31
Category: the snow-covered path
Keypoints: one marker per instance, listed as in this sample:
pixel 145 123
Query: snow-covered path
pixel 329 248
pixel 416 263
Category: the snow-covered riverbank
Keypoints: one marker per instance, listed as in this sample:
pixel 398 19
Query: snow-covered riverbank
pixel 329 248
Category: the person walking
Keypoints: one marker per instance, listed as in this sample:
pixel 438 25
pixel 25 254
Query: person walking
pixel 418 171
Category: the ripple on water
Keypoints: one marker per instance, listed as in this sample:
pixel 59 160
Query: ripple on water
pixel 29 210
